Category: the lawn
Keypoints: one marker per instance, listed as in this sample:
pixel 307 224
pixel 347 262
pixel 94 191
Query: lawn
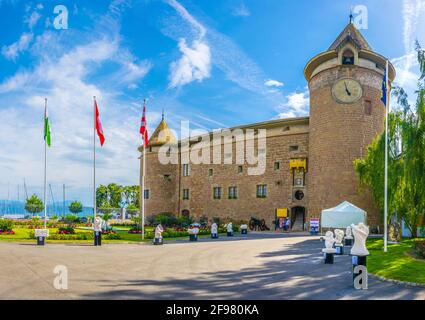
pixel 397 264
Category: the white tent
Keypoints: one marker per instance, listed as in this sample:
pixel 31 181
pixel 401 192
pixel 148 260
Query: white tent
pixel 342 216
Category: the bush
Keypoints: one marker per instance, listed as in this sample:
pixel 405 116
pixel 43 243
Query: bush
pixel 419 247
pixel 184 222
pixel 6 225
pixel 166 219
pixel 66 230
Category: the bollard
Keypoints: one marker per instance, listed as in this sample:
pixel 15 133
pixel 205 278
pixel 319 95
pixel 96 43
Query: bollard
pixel 40 241
pixel 158 241
pixel 348 241
pixel 339 250
pixel 97 238
pixel 329 255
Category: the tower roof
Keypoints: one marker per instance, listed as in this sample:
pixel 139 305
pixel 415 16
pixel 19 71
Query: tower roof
pixel 350 33
pixel 162 135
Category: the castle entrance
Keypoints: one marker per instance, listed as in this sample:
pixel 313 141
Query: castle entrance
pixel 297 218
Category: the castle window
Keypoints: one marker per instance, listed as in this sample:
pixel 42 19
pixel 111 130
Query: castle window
pixel 233 192
pixel 217 193
pixel 146 194
pixel 293 148
pixel 368 107
pixel 262 191
pixel 240 169
pixel 348 57
pixel 287 129
pixel 277 165
pixel 186 170
pixel 186 194
pixel 210 172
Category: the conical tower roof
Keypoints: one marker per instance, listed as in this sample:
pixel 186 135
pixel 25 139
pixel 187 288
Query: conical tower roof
pixel 162 135
pixel 350 34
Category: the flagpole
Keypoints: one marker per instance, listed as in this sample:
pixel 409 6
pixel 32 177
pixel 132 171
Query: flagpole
pixel 45 164
pixel 94 158
pixel 386 162
pixel 143 177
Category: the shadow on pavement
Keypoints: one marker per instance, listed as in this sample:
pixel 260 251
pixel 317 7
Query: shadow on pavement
pixel 299 274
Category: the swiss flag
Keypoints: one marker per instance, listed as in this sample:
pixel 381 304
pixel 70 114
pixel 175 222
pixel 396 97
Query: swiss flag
pixel 144 126
pixel 98 125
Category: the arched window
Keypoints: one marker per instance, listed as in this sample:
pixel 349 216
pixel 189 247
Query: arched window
pixel 348 57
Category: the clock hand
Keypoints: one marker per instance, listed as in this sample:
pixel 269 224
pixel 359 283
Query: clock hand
pixel 346 89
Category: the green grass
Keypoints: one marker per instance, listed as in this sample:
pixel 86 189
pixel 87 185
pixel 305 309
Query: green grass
pixel 397 263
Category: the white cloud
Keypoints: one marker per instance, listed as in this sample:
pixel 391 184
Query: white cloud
pixel 406 66
pixel 195 64
pixel 241 11
pixel 273 83
pixel 297 105
pixel 12 51
pixel 33 19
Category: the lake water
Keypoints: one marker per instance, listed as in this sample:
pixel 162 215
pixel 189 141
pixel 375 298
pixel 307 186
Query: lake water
pixel 17 209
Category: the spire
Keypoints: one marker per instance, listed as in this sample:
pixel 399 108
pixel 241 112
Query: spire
pixel 162 134
pixel 350 34
pixel 351 15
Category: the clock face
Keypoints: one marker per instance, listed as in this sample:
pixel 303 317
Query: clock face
pixel 347 91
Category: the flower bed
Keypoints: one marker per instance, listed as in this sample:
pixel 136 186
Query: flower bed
pixel 7 232
pixel 66 230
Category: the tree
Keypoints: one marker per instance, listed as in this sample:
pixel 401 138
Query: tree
pixel 34 205
pixel 102 196
pixel 115 195
pixel 406 165
pixel 76 207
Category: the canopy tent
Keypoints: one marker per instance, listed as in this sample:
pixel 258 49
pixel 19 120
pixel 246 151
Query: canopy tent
pixel 342 216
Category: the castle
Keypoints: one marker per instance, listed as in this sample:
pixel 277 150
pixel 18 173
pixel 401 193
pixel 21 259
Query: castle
pixel 308 160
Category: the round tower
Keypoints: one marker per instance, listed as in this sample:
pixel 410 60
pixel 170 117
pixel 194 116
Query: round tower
pixel 161 179
pixel 346 114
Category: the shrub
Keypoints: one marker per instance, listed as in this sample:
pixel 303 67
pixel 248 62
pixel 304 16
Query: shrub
pixel 66 230
pixel 166 219
pixel 419 247
pixel 6 225
pixel 184 222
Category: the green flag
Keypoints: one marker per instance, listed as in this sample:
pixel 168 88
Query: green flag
pixel 46 127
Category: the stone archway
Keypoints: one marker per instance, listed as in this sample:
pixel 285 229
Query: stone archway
pixel 297 218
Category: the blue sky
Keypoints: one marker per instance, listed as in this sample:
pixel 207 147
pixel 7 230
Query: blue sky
pixel 214 63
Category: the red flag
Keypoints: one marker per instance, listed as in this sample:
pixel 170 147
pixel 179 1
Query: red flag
pixel 144 126
pixel 99 126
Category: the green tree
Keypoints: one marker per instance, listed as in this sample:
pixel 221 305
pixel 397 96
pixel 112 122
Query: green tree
pixel 115 195
pixel 102 196
pixel 76 207
pixel 34 205
pixel 406 165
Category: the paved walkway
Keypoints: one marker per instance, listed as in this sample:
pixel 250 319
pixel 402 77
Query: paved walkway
pixel 262 266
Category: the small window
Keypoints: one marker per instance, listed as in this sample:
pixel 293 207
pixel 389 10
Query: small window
pixel 210 172
pixel 185 194
pixel 262 191
pixel 240 169
pixel 186 170
pixel 293 148
pixel 233 192
pixel 348 57
pixel 286 129
pixel 146 194
pixel 277 165
pixel 217 193
pixel 368 107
